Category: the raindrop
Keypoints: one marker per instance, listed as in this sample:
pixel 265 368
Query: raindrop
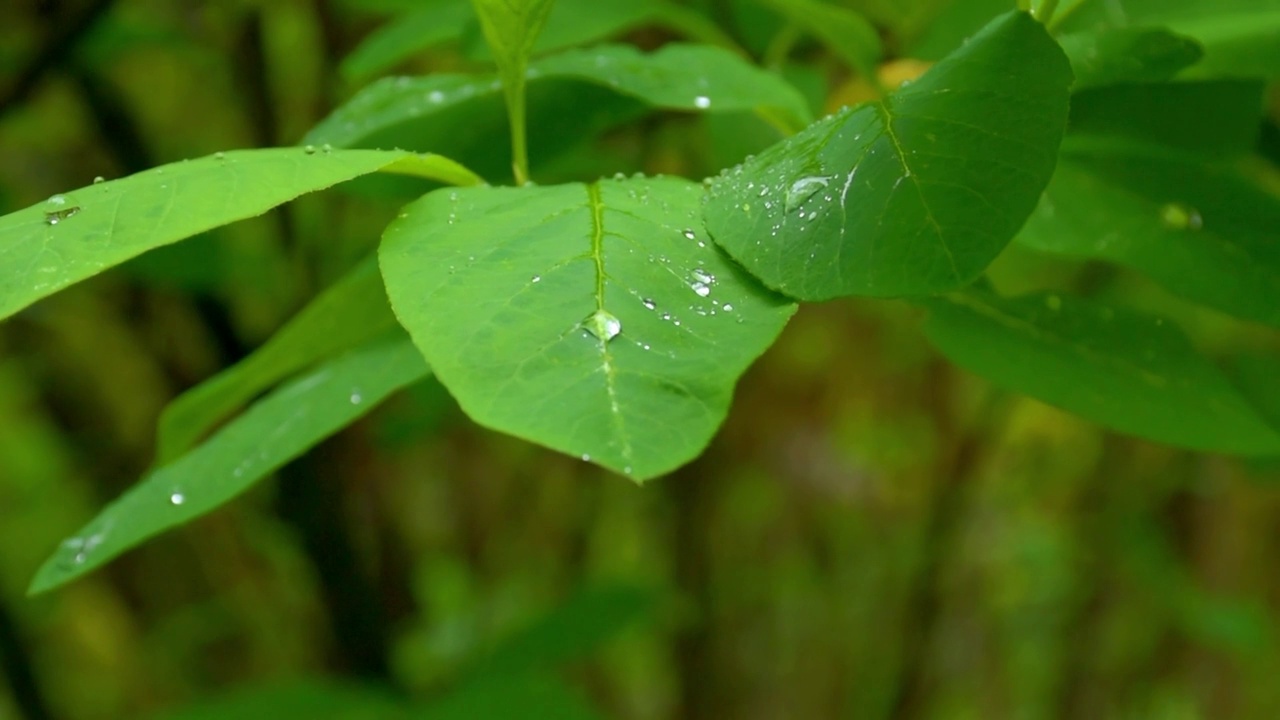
pixel 98 180
pixel 649 304
pixel 586 457
pixel 220 156
pixel 356 397
pixel 177 498
pixel 702 101
pixel 728 307
pixel 435 96
pixel 310 149
pixel 689 234
pixel 603 325
pixel 702 289
pixel 535 278
pixel 1180 217
pixel 326 148
pixel 59 208
pixel 703 276
pixel 803 189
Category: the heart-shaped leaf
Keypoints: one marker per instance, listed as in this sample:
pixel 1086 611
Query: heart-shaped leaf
pixel 78 234
pixel 913 194
pixel 594 319
pixel 1127 371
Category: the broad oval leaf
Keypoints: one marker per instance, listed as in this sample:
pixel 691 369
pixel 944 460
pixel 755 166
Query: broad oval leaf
pixel 351 313
pixel 695 78
pixel 914 194
pixel 1129 372
pixel 78 234
pixel 598 320
pixel 1128 55
pixel 273 431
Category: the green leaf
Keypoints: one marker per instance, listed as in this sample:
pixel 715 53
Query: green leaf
pixel 406 35
pixel 1240 37
pixel 914 194
pixel 1128 55
pixel 723 82
pixel 76 235
pixel 1129 372
pixel 594 319
pixel 309 699
pixel 844 31
pixel 527 695
pixel 1254 373
pixel 272 432
pixel 351 313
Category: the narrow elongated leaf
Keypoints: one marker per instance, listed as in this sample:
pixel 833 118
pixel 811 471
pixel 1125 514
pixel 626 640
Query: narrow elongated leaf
pixel 595 319
pixel 78 234
pixel 1128 55
pixel 275 430
pixel 406 35
pixel 351 313
pixel 677 77
pixel 1123 370
pixel 1240 37
pixel 911 195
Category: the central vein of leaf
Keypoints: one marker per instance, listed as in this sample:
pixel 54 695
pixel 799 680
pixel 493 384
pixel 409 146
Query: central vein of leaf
pixel 597 240
pixel 606 358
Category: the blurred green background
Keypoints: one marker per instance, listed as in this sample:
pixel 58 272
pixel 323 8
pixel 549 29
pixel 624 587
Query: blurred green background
pixel 873 534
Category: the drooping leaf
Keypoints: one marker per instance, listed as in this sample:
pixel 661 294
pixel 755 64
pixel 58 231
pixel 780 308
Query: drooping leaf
pixel 1129 372
pixel 78 234
pixel 1240 37
pixel 677 77
pixel 402 37
pixel 598 320
pixel 911 195
pixel 1128 55
pixel 273 431
pixel 351 313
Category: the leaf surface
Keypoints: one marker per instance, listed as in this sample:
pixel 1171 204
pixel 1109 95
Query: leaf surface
pixel 272 432
pixel 76 235
pixel 911 195
pixel 597 320
pixel 1129 372
pixel 1127 55
pixel 351 313
pixel 406 35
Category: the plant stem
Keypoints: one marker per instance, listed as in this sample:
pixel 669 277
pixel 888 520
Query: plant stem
pixel 519 143
pixel 1044 11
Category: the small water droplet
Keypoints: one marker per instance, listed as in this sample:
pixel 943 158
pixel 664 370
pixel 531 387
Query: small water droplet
pixel 1176 216
pixel 177 498
pixel 689 234
pixel 803 189
pixel 649 304
pixel 603 325
pixel 728 307
pixel 59 208
pixel 703 276
pixel 535 278
pixel 97 180
pixel 220 156
pixel 356 397
pixel 435 96
pixel 702 101
pixel 309 149
pixel 586 457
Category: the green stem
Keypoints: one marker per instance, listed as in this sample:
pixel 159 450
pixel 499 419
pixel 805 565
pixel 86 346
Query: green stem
pixel 515 95
pixel 1024 5
pixel 1044 11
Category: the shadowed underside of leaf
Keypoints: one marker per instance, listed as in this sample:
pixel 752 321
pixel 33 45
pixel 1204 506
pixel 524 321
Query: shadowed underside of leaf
pixel 275 430
pixel 594 319
pixel 1126 371
pixel 76 235
pixel 915 194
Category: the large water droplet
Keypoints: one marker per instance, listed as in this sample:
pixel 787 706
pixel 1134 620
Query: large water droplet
pixel 1176 216
pixel 803 189
pixel 177 498
pixel 603 325
pixel 702 289
pixel 98 180
pixel 689 234
pixel 59 208
pixel 702 101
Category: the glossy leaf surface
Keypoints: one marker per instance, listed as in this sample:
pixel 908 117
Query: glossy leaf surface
pixel 78 234
pixel 351 313
pixel 272 432
pixel 1129 372
pixel 594 319
pixel 912 195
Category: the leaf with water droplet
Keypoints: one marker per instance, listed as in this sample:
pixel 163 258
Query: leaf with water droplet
pixel 579 362
pixel 110 222
pixel 923 189
pixel 272 432
pixel 1127 371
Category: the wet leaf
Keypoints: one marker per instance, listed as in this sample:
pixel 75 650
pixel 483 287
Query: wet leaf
pixel 1129 372
pixel 272 432
pixel 598 320
pixel 915 194
pixel 76 235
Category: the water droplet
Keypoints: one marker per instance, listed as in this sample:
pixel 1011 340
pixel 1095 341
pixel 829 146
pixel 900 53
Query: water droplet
pixel 435 96
pixel 98 180
pixel 59 208
pixel 586 457
pixel 803 189
pixel 535 278
pixel 603 325
pixel 356 397
pixel 702 101
pixel 1176 216
pixel 689 234
pixel 1053 302
pixel 220 156
pixel 649 304
pixel 703 276
pixel 728 307
pixel 177 498
pixel 702 289
pixel 309 149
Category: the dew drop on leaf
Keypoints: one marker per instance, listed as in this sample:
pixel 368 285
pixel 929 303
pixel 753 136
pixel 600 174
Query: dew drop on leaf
pixel 803 189
pixel 177 498
pixel 603 325
pixel 702 101
pixel 59 208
